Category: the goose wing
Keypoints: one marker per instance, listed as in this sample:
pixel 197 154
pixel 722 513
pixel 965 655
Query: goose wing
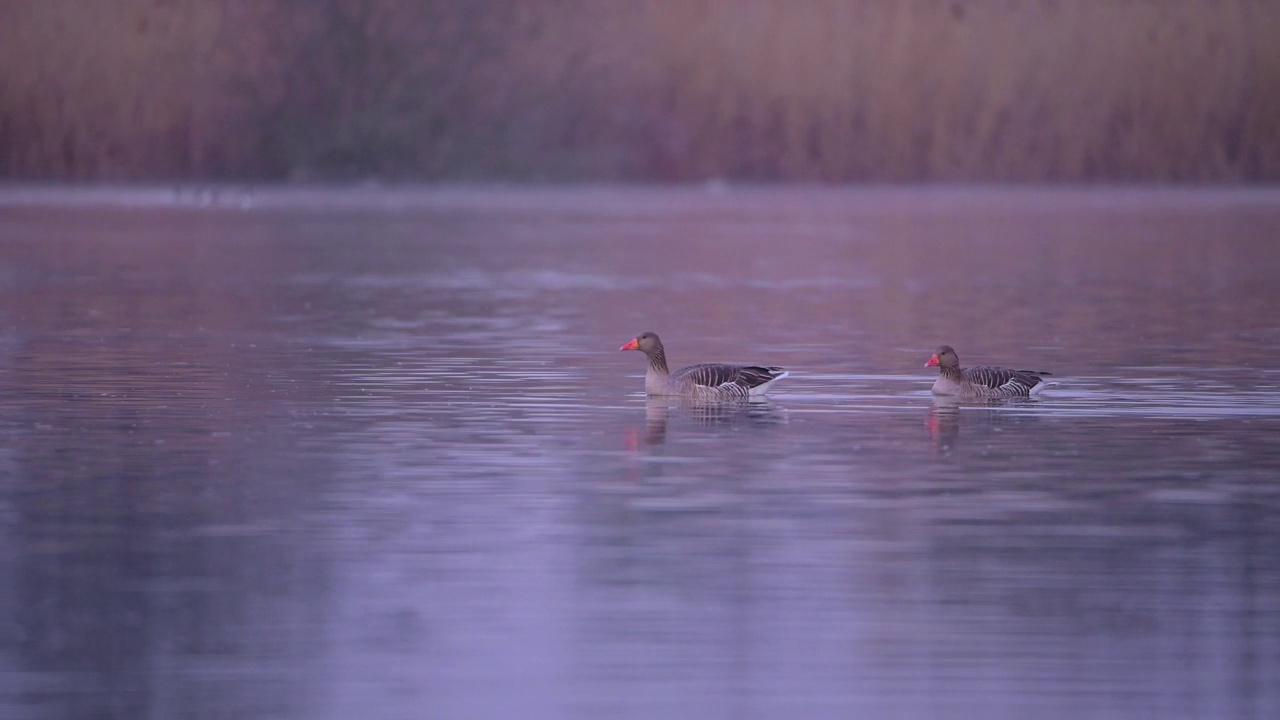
pixel 1003 380
pixel 719 374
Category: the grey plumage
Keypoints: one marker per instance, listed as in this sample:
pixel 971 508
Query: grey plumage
pixel 706 380
pixel 732 379
pixel 985 382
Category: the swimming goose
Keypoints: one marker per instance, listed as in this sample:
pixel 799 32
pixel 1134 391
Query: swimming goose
pixel 712 381
pixel 984 382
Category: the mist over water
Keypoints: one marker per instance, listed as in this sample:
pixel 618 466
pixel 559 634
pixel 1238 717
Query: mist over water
pixel 323 454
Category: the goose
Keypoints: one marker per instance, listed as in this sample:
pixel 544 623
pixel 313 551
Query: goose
pixel 983 382
pixel 711 381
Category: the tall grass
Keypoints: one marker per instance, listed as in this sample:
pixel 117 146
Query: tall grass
pixel 818 90
pixel 121 89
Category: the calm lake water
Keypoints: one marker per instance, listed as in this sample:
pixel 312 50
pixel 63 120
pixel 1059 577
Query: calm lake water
pixel 374 453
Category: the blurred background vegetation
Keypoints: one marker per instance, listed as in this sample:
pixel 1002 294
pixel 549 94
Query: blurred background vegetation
pixel 655 90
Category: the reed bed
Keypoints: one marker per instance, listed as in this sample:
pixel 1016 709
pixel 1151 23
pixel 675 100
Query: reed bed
pixel 758 90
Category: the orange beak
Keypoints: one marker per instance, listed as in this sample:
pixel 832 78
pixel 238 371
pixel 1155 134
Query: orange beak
pixel 633 345
pixel 932 361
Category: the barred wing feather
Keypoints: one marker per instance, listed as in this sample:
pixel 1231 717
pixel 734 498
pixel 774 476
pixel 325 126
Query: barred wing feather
pixel 719 375
pixel 1003 380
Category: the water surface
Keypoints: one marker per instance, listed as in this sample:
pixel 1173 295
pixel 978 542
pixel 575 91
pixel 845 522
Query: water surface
pixel 328 454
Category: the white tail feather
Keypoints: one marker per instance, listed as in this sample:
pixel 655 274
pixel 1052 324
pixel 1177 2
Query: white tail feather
pixel 763 388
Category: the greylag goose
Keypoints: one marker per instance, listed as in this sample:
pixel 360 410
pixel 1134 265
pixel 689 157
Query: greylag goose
pixel 711 381
pixel 983 382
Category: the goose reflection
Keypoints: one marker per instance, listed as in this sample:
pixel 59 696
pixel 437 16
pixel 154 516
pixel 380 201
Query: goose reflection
pixel 983 417
pixel 944 421
pixel 663 413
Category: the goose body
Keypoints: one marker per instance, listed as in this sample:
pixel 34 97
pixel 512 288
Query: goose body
pixel 982 382
pixel 708 381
